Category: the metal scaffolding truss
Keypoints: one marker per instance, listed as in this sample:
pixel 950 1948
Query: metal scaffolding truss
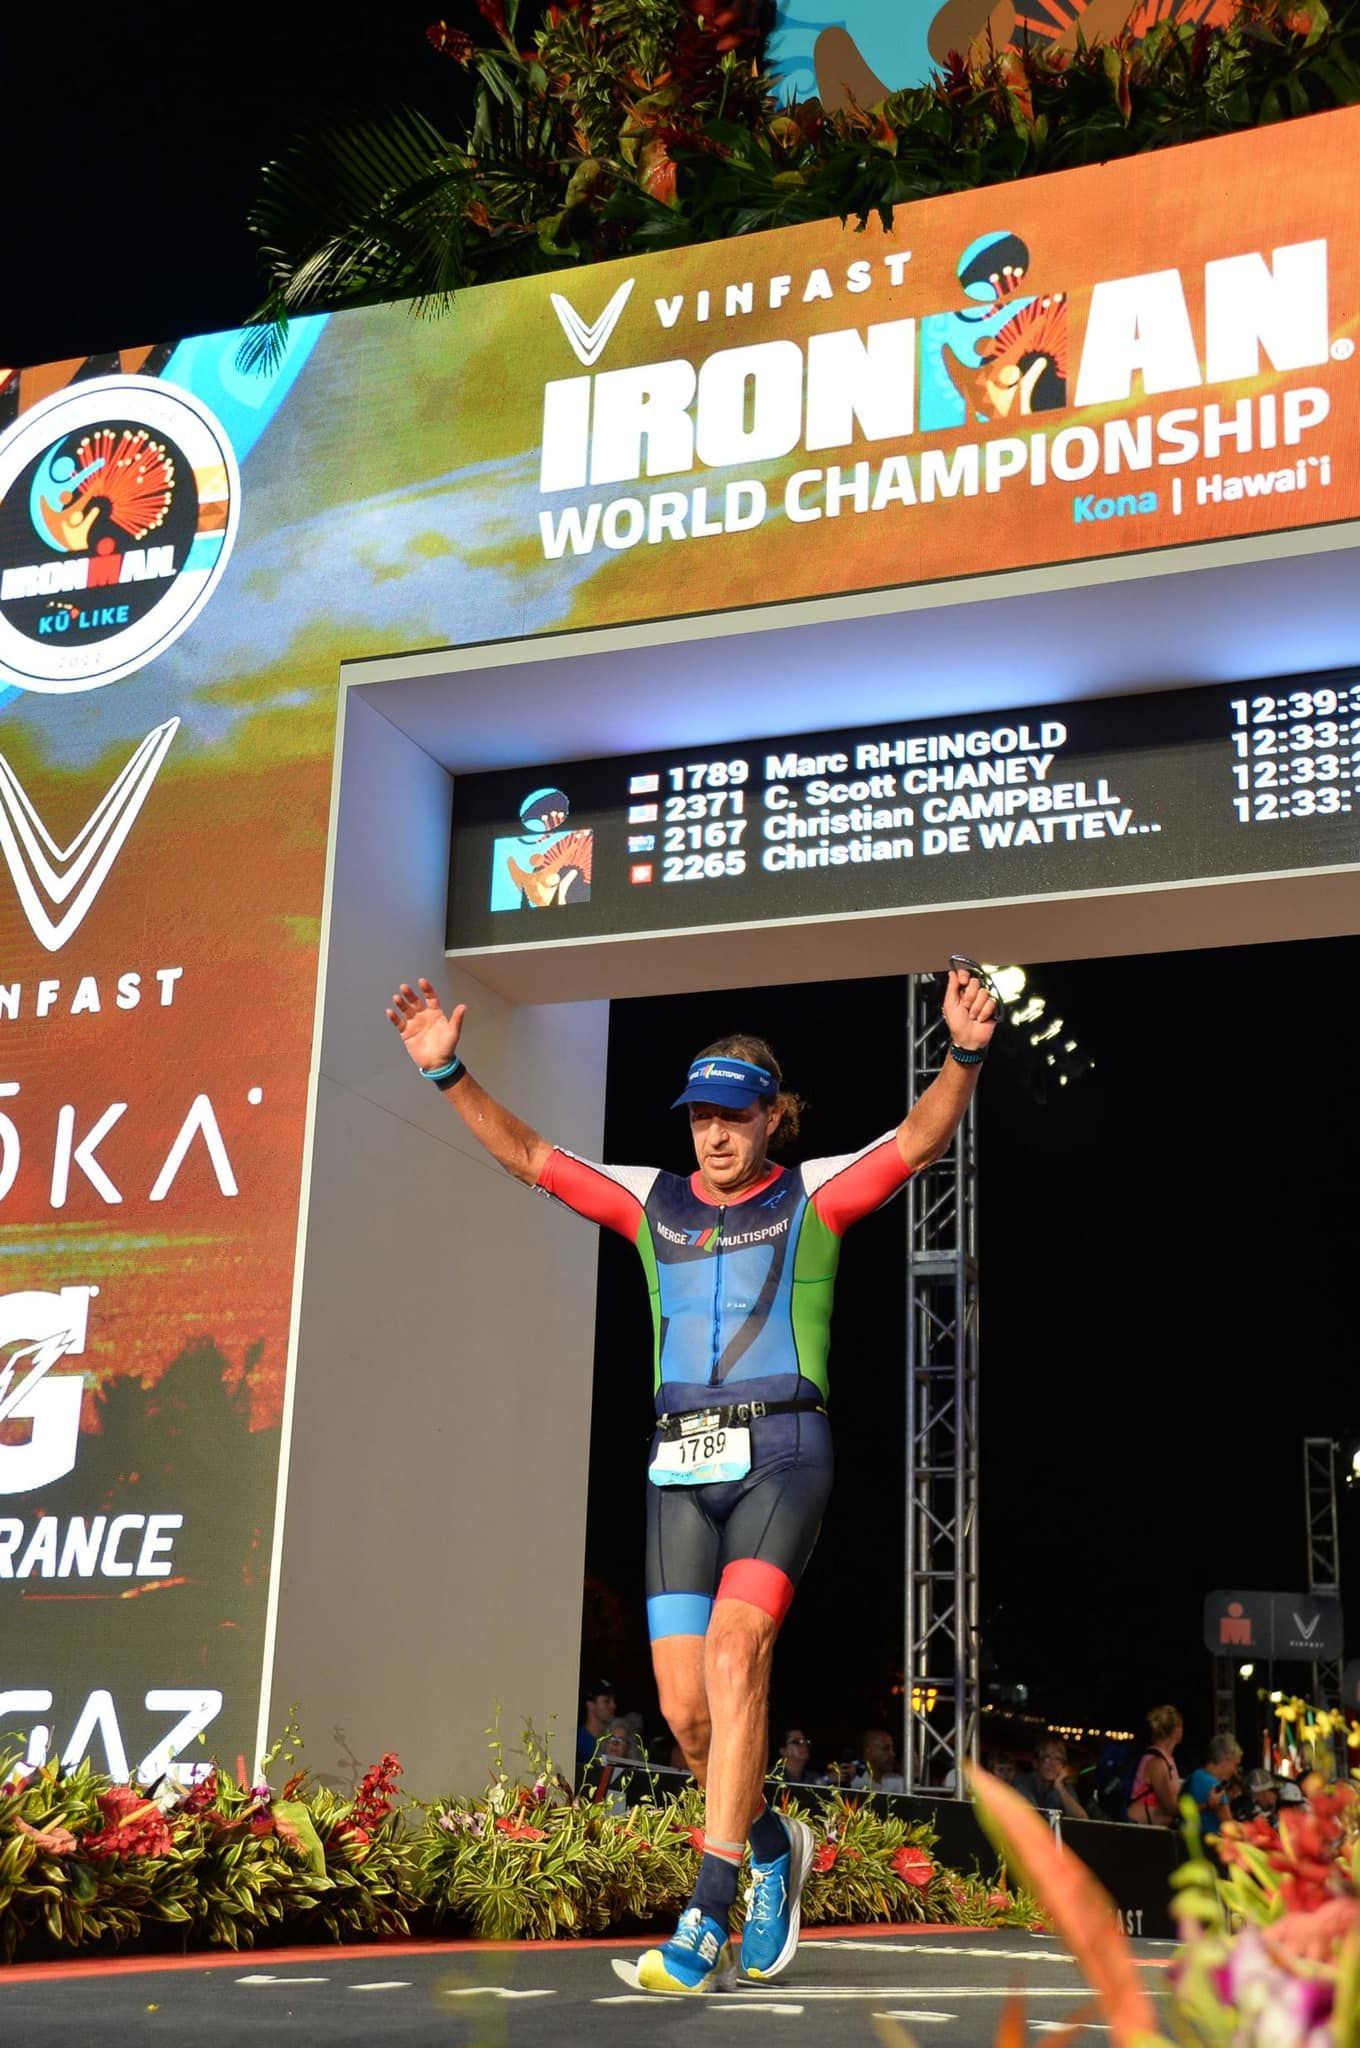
pixel 1324 1547
pixel 941 1677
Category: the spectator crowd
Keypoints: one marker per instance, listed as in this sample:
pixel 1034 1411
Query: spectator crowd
pixel 1139 1782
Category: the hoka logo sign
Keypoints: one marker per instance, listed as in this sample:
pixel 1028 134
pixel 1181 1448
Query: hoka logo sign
pixel 1007 356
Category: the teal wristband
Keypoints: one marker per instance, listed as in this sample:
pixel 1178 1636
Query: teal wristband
pixel 445 1076
pixel 965 1058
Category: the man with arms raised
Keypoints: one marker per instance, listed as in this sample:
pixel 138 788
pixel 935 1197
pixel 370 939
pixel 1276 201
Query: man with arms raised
pixel 740 1258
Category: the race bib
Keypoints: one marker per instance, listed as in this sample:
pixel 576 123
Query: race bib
pixel 702 1456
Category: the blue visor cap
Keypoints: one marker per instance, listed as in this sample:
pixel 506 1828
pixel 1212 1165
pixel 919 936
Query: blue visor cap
pixel 732 1084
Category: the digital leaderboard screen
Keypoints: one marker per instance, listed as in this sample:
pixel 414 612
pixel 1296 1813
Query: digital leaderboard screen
pixel 1109 794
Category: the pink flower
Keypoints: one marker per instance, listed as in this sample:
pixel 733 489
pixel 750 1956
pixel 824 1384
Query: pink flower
pixel 47 1841
pixel 1275 2007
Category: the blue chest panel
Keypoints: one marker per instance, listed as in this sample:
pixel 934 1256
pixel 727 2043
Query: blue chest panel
pixel 726 1281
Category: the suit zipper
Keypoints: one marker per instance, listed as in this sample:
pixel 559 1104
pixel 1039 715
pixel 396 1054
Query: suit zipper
pixel 717 1301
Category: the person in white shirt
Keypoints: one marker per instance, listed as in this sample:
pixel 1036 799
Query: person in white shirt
pixel 881 1771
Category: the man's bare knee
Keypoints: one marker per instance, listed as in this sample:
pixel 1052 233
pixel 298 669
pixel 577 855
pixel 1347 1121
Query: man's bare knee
pixel 691 1727
pixel 740 1652
pixel 684 1709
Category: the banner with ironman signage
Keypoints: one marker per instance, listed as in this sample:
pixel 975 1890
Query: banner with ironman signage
pixel 1111 361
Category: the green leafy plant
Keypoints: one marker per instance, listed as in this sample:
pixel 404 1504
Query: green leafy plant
pixel 86 1864
pixel 1270 1922
pixel 637 125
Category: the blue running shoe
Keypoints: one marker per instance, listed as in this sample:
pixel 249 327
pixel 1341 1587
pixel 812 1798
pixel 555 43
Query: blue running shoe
pixel 769 1937
pixel 696 1958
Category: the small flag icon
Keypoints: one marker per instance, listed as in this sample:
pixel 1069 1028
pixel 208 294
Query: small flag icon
pixel 643 785
pixel 642 814
pixel 640 871
pixel 642 842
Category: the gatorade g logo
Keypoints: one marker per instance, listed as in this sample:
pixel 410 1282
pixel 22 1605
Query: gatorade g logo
pixel 36 1330
pixel 119 502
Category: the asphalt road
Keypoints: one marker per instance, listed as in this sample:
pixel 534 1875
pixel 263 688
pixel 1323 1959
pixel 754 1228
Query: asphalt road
pixel 853 1988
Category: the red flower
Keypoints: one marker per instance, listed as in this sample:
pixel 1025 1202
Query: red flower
pixel 519 1831
pixel 696 1840
pixel 451 42
pixel 1314 1937
pixel 133 1826
pixel 373 1800
pixel 914 1866
pixel 826 1856
pixel 493 11
pixel 201 1796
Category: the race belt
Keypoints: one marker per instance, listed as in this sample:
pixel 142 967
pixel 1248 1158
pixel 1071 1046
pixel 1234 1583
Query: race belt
pixel 672 1427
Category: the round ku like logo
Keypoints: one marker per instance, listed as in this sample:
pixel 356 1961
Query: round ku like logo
pixel 119 502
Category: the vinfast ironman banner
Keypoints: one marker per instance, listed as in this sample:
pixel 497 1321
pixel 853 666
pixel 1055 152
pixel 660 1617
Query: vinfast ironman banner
pixel 1140 356
pixel 1113 360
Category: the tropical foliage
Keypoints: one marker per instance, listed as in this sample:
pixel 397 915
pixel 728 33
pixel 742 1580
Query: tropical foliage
pixel 1269 1922
pixel 633 125
pixel 86 1863
pixel 226 1862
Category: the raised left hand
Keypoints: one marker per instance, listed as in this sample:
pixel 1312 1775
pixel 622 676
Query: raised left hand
pixel 969 1012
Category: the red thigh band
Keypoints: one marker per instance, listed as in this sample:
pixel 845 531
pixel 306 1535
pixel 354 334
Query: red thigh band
pixel 759 1584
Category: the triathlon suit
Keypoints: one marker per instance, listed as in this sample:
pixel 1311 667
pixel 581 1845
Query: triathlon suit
pixel 741 1298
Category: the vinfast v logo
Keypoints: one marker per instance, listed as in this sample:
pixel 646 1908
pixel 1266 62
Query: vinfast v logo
pixel 47 876
pixel 590 342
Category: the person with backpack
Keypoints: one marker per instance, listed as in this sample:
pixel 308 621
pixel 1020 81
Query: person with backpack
pixel 1154 1795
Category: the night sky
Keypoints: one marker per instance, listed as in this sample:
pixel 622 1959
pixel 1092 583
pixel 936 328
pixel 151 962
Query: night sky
pixel 1165 1254
pixel 1167 1249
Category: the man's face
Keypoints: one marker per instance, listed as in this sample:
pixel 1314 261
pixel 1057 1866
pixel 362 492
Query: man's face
pixel 1050 1762
pixel 1267 1798
pixel 879 1753
pixel 602 1706
pixel 1226 1767
pixel 730 1144
pixel 795 1752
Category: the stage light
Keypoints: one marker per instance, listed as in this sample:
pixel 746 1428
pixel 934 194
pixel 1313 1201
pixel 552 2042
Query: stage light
pixel 1049 1031
pixel 1275 1698
pixel 1009 982
pixel 1245 1670
pixel 1029 1011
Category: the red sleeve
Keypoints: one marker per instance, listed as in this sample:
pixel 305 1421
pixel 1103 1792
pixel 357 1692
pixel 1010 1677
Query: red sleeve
pixel 612 1196
pixel 842 1190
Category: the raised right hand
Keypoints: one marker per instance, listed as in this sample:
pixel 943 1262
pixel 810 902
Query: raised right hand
pixel 429 1036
